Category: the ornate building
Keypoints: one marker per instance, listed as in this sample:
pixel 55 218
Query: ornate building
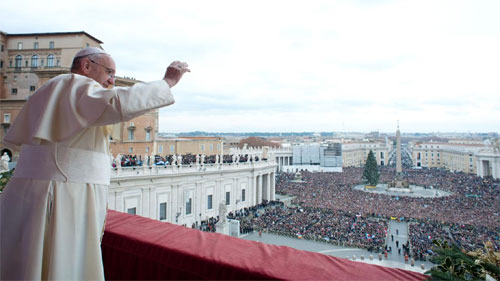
pixel 354 153
pixel 469 156
pixel 189 194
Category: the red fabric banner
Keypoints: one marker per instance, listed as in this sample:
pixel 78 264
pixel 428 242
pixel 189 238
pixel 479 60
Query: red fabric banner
pixel 138 248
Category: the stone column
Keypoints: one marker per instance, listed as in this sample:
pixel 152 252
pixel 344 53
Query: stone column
pixel 496 168
pixel 266 193
pixel 269 187
pixel 479 167
pixel 146 192
pixel 273 186
pixel 259 189
pixel 255 191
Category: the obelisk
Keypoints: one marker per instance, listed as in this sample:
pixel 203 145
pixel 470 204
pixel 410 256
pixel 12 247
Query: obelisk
pixel 398 151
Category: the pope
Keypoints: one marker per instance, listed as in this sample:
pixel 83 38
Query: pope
pixel 52 211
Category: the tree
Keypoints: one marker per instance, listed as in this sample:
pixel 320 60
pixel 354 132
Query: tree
pixel 454 263
pixel 371 174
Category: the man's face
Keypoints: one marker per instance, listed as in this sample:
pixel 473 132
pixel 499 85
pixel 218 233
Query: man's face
pixel 102 70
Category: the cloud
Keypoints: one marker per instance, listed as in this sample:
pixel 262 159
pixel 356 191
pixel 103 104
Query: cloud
pixel 300 66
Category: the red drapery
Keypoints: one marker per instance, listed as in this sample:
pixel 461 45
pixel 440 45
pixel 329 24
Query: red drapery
pixel 138 248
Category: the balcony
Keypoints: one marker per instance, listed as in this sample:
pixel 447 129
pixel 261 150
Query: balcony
pixel 191 168
pixel 137 248
pixel 38 69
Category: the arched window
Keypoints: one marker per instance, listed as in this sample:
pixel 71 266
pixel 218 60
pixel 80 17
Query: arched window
pixel 34 61
pixel 50 60
pixel 19 61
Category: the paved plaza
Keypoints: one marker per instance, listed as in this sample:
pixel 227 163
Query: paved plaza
pixel 413 191
pixel 393 260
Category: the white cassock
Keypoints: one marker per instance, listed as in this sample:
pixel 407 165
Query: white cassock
pixel 52 211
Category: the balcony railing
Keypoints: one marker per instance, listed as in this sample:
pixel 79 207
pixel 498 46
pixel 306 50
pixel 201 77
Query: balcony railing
pixel 36 68
pixel 191 168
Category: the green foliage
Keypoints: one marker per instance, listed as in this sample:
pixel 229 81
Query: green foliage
pixel 455 264
pixel 4 178
pixel 371 174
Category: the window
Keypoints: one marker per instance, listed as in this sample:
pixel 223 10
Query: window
pixel 32 88
pixel 209 202
pixel 130 149
pixel 2 47
pixel 35 45
pixel 160 149
pixel 19 45
pixel 131 211
pixel 19 60
pixel 172 148
pixel 218 146
pixel 148 135
pixel 50 60
pixel 202 147
pixel 147 149
pixel 1 63
pixel 163 211
pixel 87 45
pixel 6 118
pixel 189 202
pixel 14 91
pixel 51 45
pixel 228 197
pixel 243 198
pixel 188 206
pixel 130 134
pixel 211 147
pixel 34 61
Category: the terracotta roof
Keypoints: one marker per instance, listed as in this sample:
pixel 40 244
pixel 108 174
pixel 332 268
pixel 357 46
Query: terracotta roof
pixel 55 33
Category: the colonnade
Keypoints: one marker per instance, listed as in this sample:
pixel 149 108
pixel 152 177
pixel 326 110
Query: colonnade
pixel 488 164
pixel 188 196
pixel 284 160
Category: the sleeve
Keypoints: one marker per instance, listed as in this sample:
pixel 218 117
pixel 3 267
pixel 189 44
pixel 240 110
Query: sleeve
pixel 70 103
pixel 104 107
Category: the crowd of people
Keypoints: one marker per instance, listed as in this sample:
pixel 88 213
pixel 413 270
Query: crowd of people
pixel 186 159
pixel 328 208
pixel 333 226
pixel 468 217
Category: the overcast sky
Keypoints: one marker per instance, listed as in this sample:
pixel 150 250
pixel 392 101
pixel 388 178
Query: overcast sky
pixel 299 65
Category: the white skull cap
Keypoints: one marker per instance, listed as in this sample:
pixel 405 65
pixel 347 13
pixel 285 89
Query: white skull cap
pixel 89 51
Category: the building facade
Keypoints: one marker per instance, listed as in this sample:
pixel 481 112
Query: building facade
pixel 354 154
pixel 186 195
pixel 453 156
pixel 27 61
pixel 324 154
pixel 189 145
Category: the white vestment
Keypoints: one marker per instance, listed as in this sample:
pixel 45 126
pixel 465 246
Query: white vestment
pixel 52 211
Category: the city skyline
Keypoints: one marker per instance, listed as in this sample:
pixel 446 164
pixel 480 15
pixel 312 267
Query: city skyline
pixel 293 66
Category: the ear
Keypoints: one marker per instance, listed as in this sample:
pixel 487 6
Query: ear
pixel 85 66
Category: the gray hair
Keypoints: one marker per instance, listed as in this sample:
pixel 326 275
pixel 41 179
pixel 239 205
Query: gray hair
pixel 75 65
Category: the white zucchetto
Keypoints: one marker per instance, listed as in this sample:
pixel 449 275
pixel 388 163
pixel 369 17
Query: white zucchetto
pixel 89 51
